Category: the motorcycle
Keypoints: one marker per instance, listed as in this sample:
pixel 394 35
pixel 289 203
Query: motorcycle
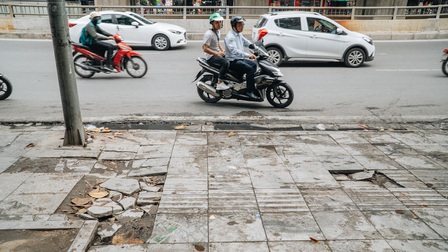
pixel 445 62
pixel 87 62
pixel 267 81
pixel 5 87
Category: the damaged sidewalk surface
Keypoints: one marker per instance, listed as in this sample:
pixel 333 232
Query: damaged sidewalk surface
pixel 198 188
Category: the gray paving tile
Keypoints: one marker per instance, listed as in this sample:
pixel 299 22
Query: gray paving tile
pixel 436 218
pixel 416 162
pixel 400 225
pixel 183 202
pixel 186 151
pixel 48 183
pixel 160 137
pixel 328 200
pixel 191 139
pixel 419 245
pixel 380 138
pixel 177 182
pixel 255 138
pixel 239 246
pixel 280 200
pixel 294 246
pixel 403 178
pixel 360 245
pixel 293 150
pixel 313 176
pixel 238 227
pixel 327 149
pixel 120 248
pixel 116 155
pixel 368 196
pixel 271 178
pixel 154 151
pixel 377 162
pixel 9 182
pixel 236 200
pixel 347 137
pixel 341 163
pixel 419 197
pixel 362 149
pixel 6 162
pixel 396 149
pixel 346 225
pixel 291 226
pixel 437 137
pixel 188 166
pixel 411 138
pixel 31 203
pixel 233 179
pixel 436 179
pixel 180 228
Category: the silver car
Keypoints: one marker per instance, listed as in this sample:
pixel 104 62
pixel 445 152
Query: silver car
pixel 310 36
pixel 134 29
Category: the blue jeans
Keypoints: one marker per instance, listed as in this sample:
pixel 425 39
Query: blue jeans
pixel 247 66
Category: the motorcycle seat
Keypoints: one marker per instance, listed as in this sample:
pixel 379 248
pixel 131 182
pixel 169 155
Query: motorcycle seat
pixel 80 45
pixel 234 74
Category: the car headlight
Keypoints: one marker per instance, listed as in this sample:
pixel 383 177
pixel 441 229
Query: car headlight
pixel 175 32
pixel 368 40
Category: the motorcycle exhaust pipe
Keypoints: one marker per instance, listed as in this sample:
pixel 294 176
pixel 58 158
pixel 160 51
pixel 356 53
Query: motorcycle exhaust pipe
pixel 87 67
pixel 207 88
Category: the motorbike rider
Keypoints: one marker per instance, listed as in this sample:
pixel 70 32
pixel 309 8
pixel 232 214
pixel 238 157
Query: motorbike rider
pixel 93 36
pixel 214 53
pixel 240 60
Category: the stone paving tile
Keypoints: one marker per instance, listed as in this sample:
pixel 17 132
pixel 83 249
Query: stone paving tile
pixel 400 225
pixel 291 226
pixel 180 228
pixel 293 150
pixel 186 151
pixel 437 138
pixel 314 176
pixel 418 245
pixel 368 196
pixel 436 179
pixel 236 200
pixel 380 138
pixel 163 137
pixel 9 182
pixel 178 182
pixel 239 246
pixel 431 149
pixel 275 178
pixel 150 162
pixel 229 180
pixel 416 162
pixel 255 138
pixel 327 150
pixel 419 197
pixel 294 246
pixel 154 151
pixel 347 225
pixel 191 139
pixel 280 200
pixel 225 152
pixel 188 166
pixel 6 162
pixel 377 162
pixel 411 138
pixel 238 227
pixel 328 200
pixel 54 183
pixel 403 178
pixel 362 149
pixel 116 155
pixel 436 218
pixel 347 137
pixel 183 202
pixel 360 245
pixel 31 203
pixel 396 149
pixel 341 163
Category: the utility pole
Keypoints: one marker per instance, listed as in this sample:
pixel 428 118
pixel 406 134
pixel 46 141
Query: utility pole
pixel 74 130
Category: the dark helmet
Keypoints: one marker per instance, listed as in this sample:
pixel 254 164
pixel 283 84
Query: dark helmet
pixel 236 20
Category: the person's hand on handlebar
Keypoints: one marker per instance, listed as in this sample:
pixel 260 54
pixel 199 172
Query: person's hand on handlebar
pixel 252 56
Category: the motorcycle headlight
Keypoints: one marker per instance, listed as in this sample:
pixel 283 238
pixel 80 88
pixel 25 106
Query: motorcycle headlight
pixel 175 32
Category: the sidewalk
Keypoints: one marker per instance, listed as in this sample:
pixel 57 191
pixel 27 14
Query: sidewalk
pixel 213 187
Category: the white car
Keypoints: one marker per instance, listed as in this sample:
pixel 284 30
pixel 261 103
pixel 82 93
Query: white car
pixel 310 36
pixel 134 29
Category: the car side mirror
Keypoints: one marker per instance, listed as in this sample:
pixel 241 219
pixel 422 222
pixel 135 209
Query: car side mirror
pixel 339 31
pixel 135 23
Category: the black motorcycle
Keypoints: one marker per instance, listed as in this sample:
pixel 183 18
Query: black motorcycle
pixel 278 93
pixel 5 87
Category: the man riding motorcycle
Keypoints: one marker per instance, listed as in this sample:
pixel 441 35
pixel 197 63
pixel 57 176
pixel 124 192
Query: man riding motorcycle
pixel 240 61
pixel 92 36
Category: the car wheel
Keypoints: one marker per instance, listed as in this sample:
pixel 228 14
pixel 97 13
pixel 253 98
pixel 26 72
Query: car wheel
pixel 275 55
pixel 355 57
pixel 160 42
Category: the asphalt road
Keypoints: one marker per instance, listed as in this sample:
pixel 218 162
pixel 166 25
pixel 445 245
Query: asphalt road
pixel 404 80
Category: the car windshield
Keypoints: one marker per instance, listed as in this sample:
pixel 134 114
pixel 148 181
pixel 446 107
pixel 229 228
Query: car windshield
pixel 261 22
pixel 142 19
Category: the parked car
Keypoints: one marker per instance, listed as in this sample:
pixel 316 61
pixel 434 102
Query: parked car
pixel 134 29
pixel 311 36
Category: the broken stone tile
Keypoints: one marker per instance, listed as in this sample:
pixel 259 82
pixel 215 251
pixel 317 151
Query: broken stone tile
pixel 106 230
pixel 150 209
pixel 179 228
pixel 104 210
pixel 145 198
pixel 151 171
pixel 128 202
pixel 126 186
pixel 149 188
pixel 365 175
pixel 131 214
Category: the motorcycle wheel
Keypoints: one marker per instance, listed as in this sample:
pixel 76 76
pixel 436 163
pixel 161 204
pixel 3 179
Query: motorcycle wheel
pixel 82 60
pixel 136 66
pixel 5 88
pixel 206 96
pixel 445 67
pixel 279 95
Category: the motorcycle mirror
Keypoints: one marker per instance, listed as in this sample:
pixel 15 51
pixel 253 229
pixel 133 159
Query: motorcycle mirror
pixel 262 33
pixel 251 46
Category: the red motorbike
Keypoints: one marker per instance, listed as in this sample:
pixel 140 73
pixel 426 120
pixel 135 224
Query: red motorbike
pixel 87 63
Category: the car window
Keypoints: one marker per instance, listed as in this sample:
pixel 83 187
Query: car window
pixel 123 19
pixel 289 23
pixel 106 18
pixel 261 22
pixel 320 25
pixel 141 19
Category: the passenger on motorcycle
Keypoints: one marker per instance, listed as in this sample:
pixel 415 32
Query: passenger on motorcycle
pixel 92 36
pixel 240 60
pixel 214 53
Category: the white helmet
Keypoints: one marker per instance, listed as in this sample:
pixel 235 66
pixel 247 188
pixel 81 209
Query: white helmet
pixel 94 14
